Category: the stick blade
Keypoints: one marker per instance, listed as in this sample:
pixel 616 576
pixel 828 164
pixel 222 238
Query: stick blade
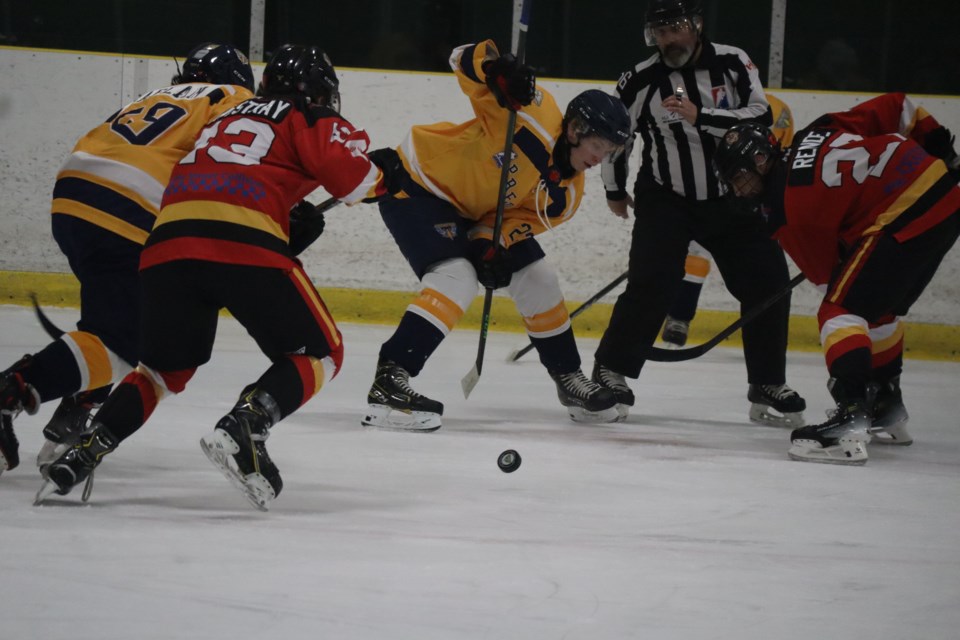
pixel 469 381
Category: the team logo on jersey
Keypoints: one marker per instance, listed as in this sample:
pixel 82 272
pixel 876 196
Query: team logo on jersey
pixel 498 158
pixel 720 97
pixel 446 229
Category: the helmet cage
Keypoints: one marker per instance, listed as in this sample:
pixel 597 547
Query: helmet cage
pixel 742 151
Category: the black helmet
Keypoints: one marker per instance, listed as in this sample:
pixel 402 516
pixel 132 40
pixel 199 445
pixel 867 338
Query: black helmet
pixel 597 113
pixel 216 64
pixel 742 148
pixel 304 70
pixel 667 11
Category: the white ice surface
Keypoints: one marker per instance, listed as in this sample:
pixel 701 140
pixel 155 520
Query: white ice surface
pixel 687 522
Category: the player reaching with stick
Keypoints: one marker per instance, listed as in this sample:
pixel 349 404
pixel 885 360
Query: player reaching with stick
pixel 442 219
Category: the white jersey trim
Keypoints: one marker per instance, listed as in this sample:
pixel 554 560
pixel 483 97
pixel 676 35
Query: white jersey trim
pixel 123 175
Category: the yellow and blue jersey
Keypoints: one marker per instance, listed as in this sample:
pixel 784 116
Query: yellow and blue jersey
pixel 116 174
pixel 462 163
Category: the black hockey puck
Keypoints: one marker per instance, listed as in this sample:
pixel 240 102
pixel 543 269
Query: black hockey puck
pixel 509 461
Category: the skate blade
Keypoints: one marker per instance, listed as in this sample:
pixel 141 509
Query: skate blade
pixel 579 414
pixel 763 414
pixel 848 451
pixel 216 449
pixel 384 418
pixel 46 490
pixel 895 435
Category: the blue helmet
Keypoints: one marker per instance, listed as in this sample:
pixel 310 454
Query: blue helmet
pixel 304 70
pixel 596 113
pixel 216 64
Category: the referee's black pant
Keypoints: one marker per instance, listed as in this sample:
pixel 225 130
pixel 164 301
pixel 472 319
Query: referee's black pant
pixel 752 265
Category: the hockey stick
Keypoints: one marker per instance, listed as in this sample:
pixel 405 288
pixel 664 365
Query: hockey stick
pixel 516 354
pixel 52 330
pixel 679 355
pixel 470 380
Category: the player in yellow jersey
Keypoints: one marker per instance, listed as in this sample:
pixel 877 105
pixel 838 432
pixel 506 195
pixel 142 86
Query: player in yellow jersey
pixel 677 323
pixel 442 216
pixel 105 201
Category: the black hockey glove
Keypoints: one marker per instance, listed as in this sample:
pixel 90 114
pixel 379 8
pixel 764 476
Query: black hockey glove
pixel 306 225
pixel 512 83
pixel 494 268
pixel 939 144
pixel 388 160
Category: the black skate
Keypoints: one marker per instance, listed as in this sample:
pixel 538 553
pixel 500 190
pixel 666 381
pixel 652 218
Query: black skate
pixel 842 439
pixel 77 464
pixel 69 420
pixel 890 416
pixel 15 396
pixel 237 448
pixel 585 400
pixel 617 383
pixel 675 333
pixel 779 397
pixel 393 405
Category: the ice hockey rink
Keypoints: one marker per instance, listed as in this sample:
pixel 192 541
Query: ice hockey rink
pixel 685 522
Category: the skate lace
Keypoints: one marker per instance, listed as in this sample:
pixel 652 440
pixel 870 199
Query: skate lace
pixel 676 325
pixel 778 391
pixel 401 379
pixel 578 385
pixel 611 379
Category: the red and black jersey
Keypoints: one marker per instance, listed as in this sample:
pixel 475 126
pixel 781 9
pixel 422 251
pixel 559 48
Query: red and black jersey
pixel 229 199
pixel 857 173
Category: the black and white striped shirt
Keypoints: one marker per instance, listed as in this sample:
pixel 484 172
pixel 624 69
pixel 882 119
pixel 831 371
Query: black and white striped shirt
pixel 724 85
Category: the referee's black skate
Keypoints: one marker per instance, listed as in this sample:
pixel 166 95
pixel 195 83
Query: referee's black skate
pixel 617 383
pixel 782 399
pixel 77 464
pixel 585 400
pixel 237 447
pixel 15 396
pixel 393 405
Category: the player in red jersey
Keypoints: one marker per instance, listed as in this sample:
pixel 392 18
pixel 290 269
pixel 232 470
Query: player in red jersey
pixel 866 202
pixel 223 241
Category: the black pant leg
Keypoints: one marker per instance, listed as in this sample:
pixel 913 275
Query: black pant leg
pixel 658 250
pixel 753 268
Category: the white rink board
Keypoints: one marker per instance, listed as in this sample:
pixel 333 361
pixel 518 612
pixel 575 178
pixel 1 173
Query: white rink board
pixel 49 99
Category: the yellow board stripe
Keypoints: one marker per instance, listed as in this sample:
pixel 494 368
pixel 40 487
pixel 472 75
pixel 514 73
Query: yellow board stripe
pixel 100 218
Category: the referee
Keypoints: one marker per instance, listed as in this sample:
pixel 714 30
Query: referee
pixel 681 100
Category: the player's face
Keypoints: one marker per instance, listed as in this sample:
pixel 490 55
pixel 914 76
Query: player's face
pixel 746 184
pixel 590 152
